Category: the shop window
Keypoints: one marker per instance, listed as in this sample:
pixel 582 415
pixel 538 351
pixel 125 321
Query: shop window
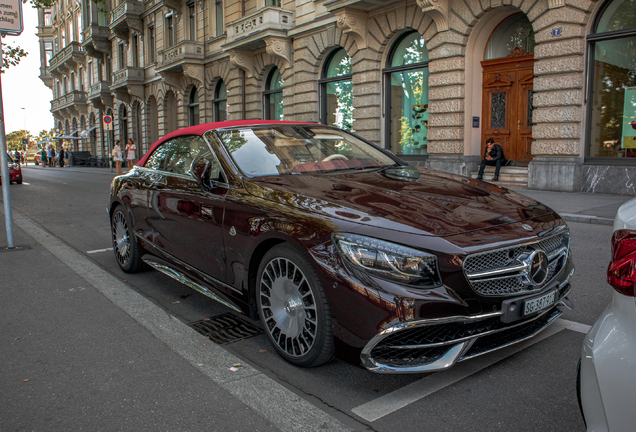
pixel 612 84
pixel 336 91
pixel 219 103
pixel 406 96
pixel 273 96
pixel 193 107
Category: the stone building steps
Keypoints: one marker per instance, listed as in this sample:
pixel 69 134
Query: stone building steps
pixel 510 177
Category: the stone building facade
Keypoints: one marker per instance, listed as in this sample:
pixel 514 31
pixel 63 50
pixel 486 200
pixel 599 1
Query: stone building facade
pixel 551 80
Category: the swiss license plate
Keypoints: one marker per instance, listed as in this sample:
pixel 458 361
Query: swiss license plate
pixel 539 303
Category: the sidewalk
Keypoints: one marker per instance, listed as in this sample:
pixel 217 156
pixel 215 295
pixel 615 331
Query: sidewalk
pixel 580 207
pixel 81 350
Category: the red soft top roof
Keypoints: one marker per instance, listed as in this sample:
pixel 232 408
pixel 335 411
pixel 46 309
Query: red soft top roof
pixel 203 128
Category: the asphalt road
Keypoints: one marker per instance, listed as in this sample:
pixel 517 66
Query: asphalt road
pixel 528 388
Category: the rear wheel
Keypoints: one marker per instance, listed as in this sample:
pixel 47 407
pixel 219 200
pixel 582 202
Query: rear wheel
pixel 125 245
pixel 293 308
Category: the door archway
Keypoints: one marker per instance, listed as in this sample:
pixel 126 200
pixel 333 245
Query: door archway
pixel 507 88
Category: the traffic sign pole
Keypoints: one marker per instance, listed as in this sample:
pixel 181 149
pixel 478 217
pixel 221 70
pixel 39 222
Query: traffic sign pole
pixel 4 169
pixel 108 126
pixel 11 24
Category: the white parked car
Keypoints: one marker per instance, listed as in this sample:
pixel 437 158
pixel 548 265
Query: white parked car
pixel 606 381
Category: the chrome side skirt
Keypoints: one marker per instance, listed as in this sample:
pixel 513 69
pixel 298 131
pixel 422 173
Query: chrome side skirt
pixel 180 277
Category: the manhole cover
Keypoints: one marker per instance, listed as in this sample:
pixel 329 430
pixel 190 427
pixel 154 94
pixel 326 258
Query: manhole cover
pixel 225 329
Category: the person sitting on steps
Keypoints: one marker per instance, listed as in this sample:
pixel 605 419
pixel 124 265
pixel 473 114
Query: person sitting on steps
pixel 493 156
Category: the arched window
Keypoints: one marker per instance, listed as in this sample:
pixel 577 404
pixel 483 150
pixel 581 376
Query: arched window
pixel 612 84
pixel 193 107
pixel 513 32
pixel 406 96
pixel 219 103
pixel 273 96
pixel 336 91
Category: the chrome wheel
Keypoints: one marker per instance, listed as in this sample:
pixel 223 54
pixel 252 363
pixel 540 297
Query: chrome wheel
pixel 121 239
pixel 288 306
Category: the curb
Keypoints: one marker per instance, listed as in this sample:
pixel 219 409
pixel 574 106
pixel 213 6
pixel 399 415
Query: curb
pixel 587 219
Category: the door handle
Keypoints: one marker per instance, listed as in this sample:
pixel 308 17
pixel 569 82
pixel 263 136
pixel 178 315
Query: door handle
pixel 518 124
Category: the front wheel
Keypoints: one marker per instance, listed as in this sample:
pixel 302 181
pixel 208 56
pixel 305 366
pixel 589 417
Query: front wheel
pixel 125 244
pixel 293 308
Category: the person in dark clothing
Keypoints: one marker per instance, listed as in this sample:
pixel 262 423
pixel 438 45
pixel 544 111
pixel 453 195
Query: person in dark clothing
pixel 61 157
pixel 493 156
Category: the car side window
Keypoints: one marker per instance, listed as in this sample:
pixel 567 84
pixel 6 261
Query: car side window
pixel 158 158
pixel 186 149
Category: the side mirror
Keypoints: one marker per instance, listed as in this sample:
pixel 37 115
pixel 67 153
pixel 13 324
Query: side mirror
pixel 201 169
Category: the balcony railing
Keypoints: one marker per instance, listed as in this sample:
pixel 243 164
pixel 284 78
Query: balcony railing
pixel 68 58
pixel 126 16
pixel 96 41
pixel 127 76
pixel 98 90
pixel 73 98
pixel 247 31
pixel 173 58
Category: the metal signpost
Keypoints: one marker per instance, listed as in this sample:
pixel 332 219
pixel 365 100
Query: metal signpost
pixel 108 126
pixel 10 24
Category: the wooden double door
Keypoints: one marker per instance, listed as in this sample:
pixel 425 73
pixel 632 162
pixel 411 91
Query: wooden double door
pixel 507 105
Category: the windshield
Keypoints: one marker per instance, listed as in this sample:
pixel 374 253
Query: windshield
pixel 289 149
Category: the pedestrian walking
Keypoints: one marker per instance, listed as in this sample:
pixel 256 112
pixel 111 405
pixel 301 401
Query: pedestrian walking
pixel 117 157
pixel 493 156
pixel 43 157
pixel 130 153
pixel 51 156
pixel 61 157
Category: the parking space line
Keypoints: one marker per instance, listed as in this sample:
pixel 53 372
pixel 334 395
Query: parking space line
pixel 279 405
pixel 391 402
pixel 99 250
pixel 574 326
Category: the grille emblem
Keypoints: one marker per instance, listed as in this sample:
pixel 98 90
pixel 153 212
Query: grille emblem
pixel 232 231
pixel 526 227
pixel 538 267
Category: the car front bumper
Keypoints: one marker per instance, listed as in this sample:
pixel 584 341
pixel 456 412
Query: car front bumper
pixel 608 361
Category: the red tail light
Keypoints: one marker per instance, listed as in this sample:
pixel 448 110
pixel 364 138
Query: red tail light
pixel 621 273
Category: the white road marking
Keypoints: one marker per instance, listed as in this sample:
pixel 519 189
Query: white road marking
pixel 391 402
pixel 99 250
pixel 25 183
pixel 283 408
pixel 574 326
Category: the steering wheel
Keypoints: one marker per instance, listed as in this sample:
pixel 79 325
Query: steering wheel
pixel 335 156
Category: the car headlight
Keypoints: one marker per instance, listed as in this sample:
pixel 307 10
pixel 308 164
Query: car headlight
pixel 389 260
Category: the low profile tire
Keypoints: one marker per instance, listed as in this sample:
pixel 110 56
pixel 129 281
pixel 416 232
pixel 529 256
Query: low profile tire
pixel 293 308
pixel 125 245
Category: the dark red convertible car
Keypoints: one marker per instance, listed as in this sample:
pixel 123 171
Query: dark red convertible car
pixel 323 235
pixel 15 170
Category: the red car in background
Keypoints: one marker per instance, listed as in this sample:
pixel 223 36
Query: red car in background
pixel 15 171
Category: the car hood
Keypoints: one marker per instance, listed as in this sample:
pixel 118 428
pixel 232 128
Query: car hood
pixel 433 203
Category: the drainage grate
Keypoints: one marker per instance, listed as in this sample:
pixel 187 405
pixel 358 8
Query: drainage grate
pixel 225 329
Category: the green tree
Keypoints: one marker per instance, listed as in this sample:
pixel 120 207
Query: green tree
pixel 14 139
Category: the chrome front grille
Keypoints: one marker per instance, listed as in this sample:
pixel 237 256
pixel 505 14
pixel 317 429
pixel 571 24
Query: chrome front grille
pixel 504 271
